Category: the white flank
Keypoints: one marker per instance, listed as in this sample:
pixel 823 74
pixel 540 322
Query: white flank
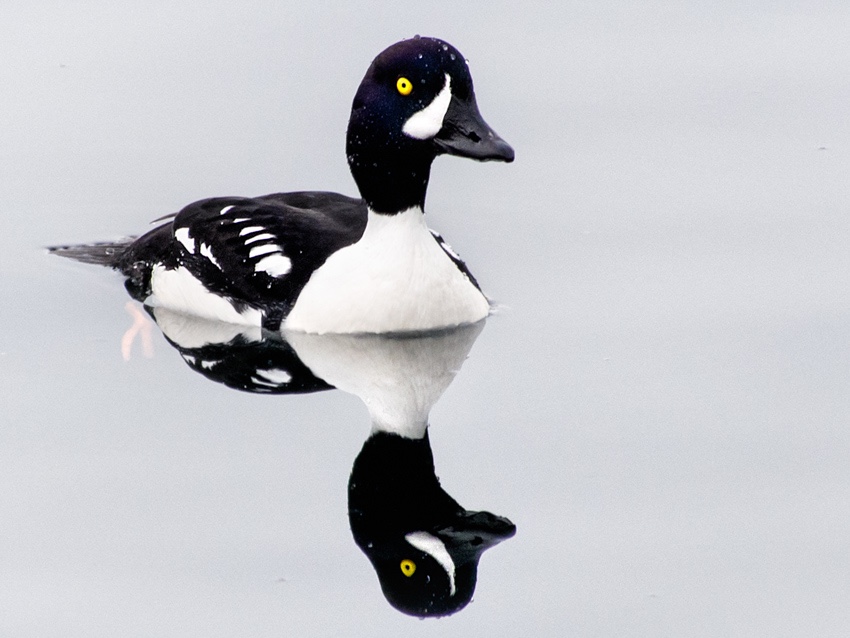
pixel 206 252
pixel 427 123
pixel 396 278
pixel 177 289
pixel 250 229
pixel 265 249
pixel 182 235
pixel 274 265
pixel 434 547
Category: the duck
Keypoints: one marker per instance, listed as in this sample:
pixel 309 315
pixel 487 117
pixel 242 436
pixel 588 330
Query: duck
pixel 321 262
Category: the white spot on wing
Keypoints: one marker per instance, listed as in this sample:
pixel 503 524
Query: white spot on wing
pixel 250 229
pixel 275 265
pixel 265 249
pixel 434 547
pixel 182 235
pixel 427 123
pixel 260 237
pixel 226 209
pixel 206 252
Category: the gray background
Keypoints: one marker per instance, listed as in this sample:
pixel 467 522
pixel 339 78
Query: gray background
pixel 661 406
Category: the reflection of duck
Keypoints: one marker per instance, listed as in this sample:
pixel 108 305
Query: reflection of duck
pixel 237 356
pixel 322 262
pixel 423 545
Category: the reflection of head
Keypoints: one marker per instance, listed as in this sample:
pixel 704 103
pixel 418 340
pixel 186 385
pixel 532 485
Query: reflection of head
pixel 423 545
pixel 427 591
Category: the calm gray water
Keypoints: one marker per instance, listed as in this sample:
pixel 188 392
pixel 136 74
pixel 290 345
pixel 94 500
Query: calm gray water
pixel 661 405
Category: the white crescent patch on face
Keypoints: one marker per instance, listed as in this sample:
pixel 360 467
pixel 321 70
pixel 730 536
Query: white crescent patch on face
pixel 427 123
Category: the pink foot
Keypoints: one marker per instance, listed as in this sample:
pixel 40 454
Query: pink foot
pixel 141 326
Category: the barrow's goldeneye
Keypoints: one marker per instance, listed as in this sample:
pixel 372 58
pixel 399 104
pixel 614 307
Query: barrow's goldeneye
pixel 322 262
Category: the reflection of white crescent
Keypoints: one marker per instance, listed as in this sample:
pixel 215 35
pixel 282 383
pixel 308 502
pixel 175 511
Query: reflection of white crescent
pixel 436 549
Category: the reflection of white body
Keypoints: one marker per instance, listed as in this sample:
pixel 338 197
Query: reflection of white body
pixel 399 378
pixel 190 331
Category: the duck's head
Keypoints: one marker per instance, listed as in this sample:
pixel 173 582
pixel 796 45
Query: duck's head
pixel 415 102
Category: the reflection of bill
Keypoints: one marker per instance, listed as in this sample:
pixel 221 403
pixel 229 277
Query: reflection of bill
pixel 423 545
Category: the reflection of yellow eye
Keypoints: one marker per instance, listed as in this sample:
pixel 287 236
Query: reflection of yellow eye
pixel 407 567
pixel 404 86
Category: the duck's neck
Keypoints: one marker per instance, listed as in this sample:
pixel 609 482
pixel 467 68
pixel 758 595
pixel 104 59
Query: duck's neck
pixel 392 176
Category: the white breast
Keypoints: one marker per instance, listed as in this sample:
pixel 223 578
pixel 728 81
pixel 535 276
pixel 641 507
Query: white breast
pixel 396 278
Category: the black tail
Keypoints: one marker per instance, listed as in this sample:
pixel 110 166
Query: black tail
pixel 102 254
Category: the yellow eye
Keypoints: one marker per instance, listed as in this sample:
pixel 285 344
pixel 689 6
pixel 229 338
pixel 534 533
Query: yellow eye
pixel 407 567
pixel 404 86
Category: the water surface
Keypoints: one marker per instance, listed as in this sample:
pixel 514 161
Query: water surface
pixel 660 406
